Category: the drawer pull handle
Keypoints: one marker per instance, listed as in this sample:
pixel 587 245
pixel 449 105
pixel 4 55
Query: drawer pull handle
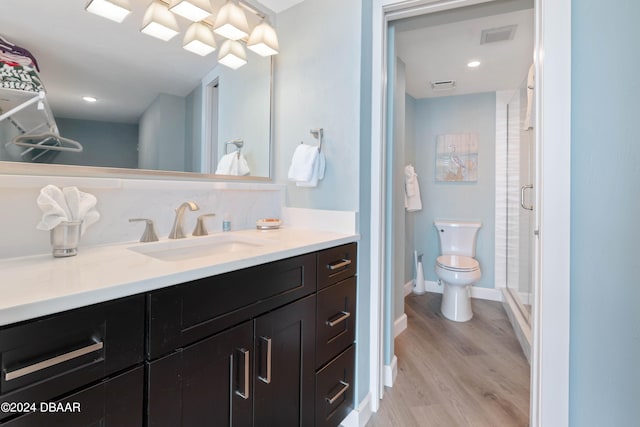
pixel 345 387
pixel 339 265
pixel 245 392
pixel 8 376
pixel 342 316
pixel 267 379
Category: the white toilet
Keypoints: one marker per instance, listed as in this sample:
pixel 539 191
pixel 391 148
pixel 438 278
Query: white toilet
pixel 456 267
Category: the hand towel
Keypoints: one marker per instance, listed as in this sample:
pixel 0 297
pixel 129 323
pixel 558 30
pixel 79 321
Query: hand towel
pixel 412 200
pixel 81 207
pixel 233 164
pixel 317 173
pixel 225 164
pixel 303 163
pixel 67 204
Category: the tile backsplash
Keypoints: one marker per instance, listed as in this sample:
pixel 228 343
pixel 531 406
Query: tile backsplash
pixel 121 199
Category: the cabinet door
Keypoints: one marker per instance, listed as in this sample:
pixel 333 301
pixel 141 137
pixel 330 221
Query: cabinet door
pixel 284 365
pixel 116 402
pixel 204 384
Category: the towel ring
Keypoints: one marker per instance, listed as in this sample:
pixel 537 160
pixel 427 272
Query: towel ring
pixel 318 134
pixel 239 143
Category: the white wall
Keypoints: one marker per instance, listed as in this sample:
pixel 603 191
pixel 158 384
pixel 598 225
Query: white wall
pixel 456 200
pixel 121 199
pixel 317 85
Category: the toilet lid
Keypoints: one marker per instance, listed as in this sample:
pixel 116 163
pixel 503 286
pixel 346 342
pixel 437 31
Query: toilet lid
pixel 457 263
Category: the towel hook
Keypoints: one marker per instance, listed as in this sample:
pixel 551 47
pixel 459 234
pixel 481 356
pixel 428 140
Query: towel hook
pixel 318 134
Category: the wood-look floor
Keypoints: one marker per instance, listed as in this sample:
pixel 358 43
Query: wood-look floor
pixel 456 374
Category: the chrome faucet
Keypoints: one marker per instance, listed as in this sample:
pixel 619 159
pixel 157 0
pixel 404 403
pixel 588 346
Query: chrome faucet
pixel 177 231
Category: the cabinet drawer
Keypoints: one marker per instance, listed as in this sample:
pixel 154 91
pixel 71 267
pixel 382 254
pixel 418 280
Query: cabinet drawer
pixel 50 356
pixel 336 264
pixel 336 320
pixel 116 402
pixel 334 389
pixel 184 314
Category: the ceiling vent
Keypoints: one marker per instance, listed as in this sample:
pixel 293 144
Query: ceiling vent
pixel 501 34
pixel 443 85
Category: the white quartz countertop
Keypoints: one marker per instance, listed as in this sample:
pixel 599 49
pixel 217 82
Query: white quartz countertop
pixel 39 285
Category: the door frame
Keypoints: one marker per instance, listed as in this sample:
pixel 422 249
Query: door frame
pixel 550 328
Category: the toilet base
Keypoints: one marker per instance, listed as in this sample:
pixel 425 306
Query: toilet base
pixel 456 302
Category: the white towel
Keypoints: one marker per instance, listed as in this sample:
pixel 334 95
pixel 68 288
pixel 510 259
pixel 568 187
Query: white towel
pixel 303 163
pixel 233 164
pixel 317 172
pixel 67 204
pixel 412 200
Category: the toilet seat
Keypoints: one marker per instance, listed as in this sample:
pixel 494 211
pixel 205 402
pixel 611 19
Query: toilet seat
pixel 457 263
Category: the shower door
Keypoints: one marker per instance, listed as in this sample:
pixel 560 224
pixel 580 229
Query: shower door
pixel 520 203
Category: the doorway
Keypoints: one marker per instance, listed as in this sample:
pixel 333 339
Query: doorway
pixel 549 361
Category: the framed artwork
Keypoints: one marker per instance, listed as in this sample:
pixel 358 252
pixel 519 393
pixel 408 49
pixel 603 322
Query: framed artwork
pixel 457 157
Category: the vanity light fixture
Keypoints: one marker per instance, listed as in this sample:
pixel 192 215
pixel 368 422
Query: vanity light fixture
pixel 263 40
pixel 159 22
pixel 232 54
pixel 199 39
pixel 231 22
pixel 473 64
pixel 115 10
pixel 193 10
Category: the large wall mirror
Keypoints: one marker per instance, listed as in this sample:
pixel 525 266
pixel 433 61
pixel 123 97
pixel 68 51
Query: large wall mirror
pixel 158 107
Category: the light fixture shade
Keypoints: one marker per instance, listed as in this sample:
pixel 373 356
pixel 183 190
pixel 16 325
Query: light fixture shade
pixel 264 40
pixel 232 54
pixel 193 10
pixel 159 22
pixel 199 39
pixel 115 10
pixel 231 22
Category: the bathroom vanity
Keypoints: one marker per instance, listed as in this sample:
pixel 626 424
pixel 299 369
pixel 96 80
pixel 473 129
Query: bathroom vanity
pixel 264 338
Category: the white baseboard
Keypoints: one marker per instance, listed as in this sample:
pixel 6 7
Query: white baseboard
pixel 361 415
pixel 408 287
pixel 491 294
pixel 391 372
pixel 399 325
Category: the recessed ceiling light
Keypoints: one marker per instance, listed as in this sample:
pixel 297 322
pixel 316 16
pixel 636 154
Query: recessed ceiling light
pixel 89 99
pixel 473 64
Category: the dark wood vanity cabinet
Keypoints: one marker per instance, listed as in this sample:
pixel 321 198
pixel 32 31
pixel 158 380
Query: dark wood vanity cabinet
pixel 270 345
pixel 91 356
pixel 335 334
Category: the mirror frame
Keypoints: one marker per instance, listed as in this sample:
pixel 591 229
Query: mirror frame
pixel 45 169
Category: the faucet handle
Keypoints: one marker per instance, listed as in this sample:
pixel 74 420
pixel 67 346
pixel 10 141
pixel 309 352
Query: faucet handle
pixel 200 229
pixel 149 234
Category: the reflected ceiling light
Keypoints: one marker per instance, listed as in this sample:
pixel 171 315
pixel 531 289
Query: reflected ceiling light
pixel 159 22
pixel 89 99
pixel 232 54
pixel 115 10
pixel 193 10
pixel 199 39
pixel 473 64
pixel 231 22
pixel 263 40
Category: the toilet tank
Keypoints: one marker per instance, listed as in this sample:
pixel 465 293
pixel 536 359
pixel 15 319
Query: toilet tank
pixel 457 237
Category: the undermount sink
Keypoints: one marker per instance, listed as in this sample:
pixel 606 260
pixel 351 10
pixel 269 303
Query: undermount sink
pixel 196 247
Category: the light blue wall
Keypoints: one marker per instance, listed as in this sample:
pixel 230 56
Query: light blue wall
pixel 323 79
pixel 318 84
pixel 162 134
pixel 456 200
pixel 604 387
pixel 193 130
pixel 364 223
pixel 409 157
